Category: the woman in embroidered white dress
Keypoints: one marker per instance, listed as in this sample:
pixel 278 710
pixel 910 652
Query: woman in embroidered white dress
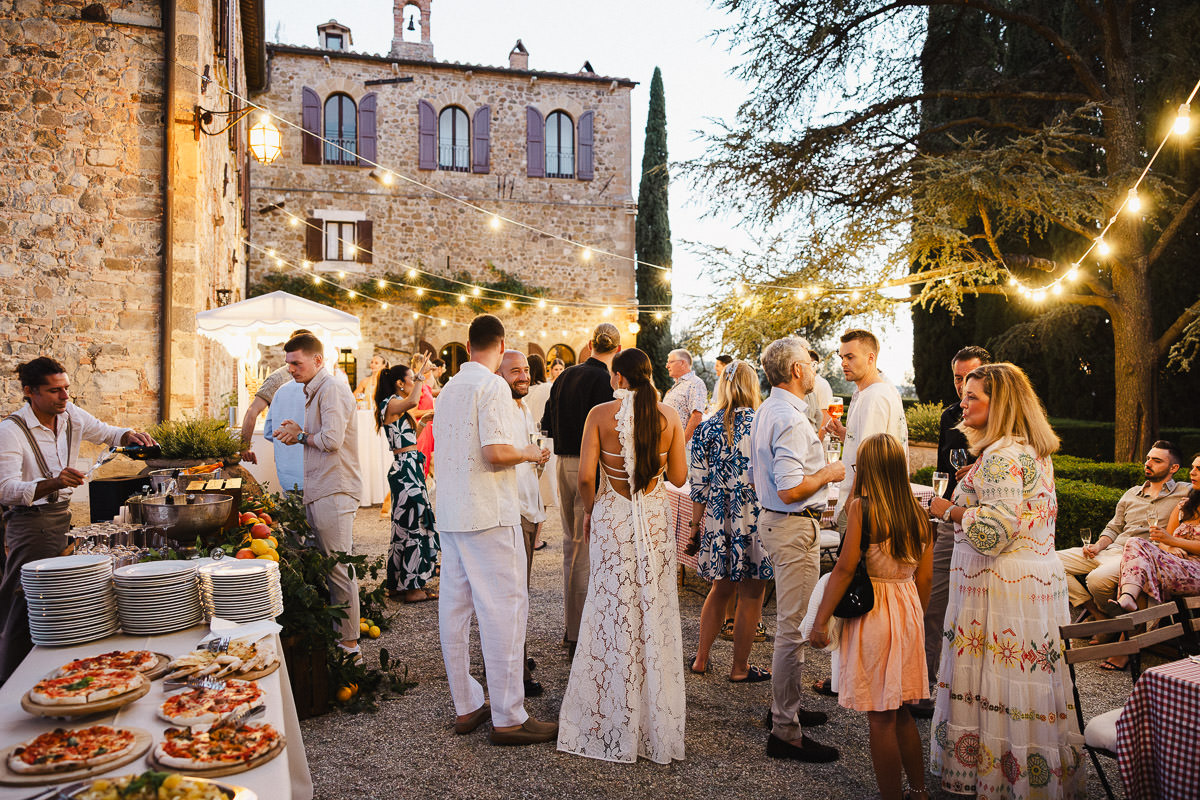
pixel 1004 721
pixel 625 695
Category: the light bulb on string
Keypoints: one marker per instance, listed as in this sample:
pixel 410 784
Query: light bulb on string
pixel 856 295
pixel 351 293
pixel 476 291
pixel 1012 281
pixel 521 334
pixel 608 311
pixel 351 250
pixel 384 306
pixel 414 316
pixel 658 315
pixel 667 276
pixel 1072 273
pixel 1183 120
pixel 1056 289
pixel 739 288
pixel 420 292
pixel 541 303
pixel 543 334
pixel 1133 203
pixel 495 222
pixel 293 221
pixel 271 252
pixel 341 274
pixel 381 283
pixel 1039 296
pixel 586 254
pixel 462 298
pixel 1102 247
pixel 306 264
pixel 443 323
pixel 412 273
pixel 317 279
pixel 554 310
pixel 508 304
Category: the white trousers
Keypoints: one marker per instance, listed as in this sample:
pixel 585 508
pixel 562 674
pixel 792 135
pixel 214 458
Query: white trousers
pixel 483 572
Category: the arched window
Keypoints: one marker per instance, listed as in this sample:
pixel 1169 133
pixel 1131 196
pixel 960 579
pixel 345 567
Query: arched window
pixel 562 351
pixel 455 355
pixel 341 129
pixel 560 145
pixel 454 140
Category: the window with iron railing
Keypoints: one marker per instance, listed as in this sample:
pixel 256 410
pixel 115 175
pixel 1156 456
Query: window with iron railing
pixel 341 130
pixel 560 145
pixel 454 148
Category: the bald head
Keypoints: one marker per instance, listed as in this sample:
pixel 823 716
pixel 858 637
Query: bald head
pixel 514 368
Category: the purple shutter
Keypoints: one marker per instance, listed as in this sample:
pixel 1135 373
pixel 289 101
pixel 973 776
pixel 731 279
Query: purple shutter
pixel 535 143
pixel 426 135
pixel 314 239
pixel 364 234
pixel 366 130
pixel 481 140
pixel 310 151
pixel 584 169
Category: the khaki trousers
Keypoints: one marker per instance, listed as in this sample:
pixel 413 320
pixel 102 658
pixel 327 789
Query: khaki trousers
pixel 792 544
pixel 576 562
pixel 1092 578
pixel 332 520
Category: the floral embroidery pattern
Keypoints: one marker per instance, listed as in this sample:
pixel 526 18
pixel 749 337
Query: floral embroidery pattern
pixel 1010 767
pixel 1039 769
pixel 967 750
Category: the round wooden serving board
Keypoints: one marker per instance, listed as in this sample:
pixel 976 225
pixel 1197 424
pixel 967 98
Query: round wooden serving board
pixel 254 675
pixel 141 743
pixel 217 772
pixel 83 709
pixel 159 669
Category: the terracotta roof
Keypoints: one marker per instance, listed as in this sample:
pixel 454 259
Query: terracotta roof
pixel 417 62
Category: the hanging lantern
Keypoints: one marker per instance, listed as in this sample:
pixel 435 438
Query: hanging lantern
pixel 265 140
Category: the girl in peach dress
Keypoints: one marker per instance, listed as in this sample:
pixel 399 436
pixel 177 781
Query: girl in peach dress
pixel 883 652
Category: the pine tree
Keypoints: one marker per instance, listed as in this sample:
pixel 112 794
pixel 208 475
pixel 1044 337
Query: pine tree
pixel 653 241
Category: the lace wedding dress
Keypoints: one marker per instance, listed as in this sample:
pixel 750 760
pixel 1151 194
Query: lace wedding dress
pixel 625 695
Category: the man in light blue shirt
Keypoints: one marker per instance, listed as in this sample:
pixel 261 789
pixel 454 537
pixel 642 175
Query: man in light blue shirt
pixel 789 471
pixel 288 403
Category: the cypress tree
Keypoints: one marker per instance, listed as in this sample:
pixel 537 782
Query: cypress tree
pixel 653 238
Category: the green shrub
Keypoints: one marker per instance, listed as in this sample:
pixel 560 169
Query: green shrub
pixel 196 439
pixel 1095 440
pixel 923 476
pixel 1105 473
pixel 924 422
pixel 1082 505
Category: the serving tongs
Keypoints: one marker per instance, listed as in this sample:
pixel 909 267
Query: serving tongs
pixel 195 683
pixel 238 717
pixel 58 792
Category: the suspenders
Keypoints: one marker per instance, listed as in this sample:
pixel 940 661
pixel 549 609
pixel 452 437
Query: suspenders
pixel 37 452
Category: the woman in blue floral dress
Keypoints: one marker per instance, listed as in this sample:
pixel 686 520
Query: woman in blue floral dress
pixel 413 553
pixel 725 512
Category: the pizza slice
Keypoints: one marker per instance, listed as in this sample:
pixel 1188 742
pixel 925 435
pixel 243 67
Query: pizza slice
pixel 206 706
pixel 137 660
pixel 185 749
pixel 66 750
pixel 86 686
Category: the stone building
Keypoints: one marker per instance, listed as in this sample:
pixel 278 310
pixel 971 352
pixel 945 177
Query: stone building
pixel 550 150
pixel 119 218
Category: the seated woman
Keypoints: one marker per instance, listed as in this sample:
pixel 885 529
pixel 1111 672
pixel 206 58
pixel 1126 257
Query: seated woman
pixel 1168 563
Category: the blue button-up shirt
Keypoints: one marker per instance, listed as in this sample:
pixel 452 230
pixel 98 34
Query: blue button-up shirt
pixel 786 450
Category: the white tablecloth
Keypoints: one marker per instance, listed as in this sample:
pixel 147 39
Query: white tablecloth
pixel 285 777
pixel 373 455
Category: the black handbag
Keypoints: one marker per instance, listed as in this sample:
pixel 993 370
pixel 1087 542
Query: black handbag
pixel 860 595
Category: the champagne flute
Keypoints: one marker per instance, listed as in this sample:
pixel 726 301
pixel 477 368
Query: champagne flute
pixel 833 451
pixel 1152 517
pixel 1085 536
pixel 941 481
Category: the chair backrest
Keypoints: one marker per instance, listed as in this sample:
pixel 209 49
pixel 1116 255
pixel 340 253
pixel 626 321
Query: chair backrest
pixel 1189 617
pixel 1093 652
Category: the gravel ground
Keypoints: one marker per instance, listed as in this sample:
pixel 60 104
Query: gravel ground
pixel 408 748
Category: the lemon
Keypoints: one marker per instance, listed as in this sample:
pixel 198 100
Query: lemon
pixel 374 632
pixel 259 547
pixel 344 694
pixel 363 627
pixel 270 555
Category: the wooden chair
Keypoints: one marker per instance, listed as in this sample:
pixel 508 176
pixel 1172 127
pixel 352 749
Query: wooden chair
pixel 1189 617
pixel 1100 733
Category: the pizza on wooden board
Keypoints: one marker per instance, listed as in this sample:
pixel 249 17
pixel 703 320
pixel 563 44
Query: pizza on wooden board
pixel 137 660
pixel 206 706
pixel 69 749
pixel 86 686
pixel 183 748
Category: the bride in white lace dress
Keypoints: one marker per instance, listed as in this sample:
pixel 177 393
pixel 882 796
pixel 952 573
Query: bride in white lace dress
pixel 625 695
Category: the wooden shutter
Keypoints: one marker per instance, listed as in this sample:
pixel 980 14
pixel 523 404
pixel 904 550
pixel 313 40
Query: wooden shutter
pixel 426 135
pixel 481 140
pixel 314 239
pixel 585 169
pixel 310 151
pixel 535 143
pixel 364 236
pixel 366 130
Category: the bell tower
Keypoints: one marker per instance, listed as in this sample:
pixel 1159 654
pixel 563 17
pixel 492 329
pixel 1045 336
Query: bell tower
pixel 411 16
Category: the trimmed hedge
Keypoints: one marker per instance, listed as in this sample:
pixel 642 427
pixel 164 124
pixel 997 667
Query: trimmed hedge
pixel 1095 440
pixel 1105 473
pixel 924 422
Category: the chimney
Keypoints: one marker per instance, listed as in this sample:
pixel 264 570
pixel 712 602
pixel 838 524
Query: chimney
pixel 518 57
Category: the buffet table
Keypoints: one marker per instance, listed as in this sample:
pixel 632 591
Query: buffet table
pixel 285 777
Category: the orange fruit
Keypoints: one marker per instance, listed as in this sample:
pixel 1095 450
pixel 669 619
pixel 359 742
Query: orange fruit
pixel 344 694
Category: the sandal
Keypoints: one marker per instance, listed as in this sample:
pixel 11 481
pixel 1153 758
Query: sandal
pixel 727 630
pixel 1108 665
pixel 540 546
pixel 825 687
pixel 760 633
pixel 754 675
pixel 692 666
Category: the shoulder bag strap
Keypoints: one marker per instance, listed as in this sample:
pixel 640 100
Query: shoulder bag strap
pixel 37 452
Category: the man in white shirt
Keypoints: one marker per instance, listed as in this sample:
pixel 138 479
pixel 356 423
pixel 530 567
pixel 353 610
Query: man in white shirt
pixel 789 471
pixel 875 407
pixel 689 395
pixel 483 556
pixel 39 448
pixel 514 368
pixel 821 396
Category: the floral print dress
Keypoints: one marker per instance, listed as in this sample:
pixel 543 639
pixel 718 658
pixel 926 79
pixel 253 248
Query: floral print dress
pixel 1160 574
pixel 1004 719
pixel 413 553
pixel 720 478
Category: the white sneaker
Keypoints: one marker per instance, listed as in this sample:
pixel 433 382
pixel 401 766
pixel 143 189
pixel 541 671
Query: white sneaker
pixel 355 651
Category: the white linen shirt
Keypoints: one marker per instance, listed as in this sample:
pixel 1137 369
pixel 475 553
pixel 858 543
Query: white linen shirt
pixel 875 409
pixel 786 450
pixel 19 472
pixel 474 410
pixel 687 395
pixel 528 488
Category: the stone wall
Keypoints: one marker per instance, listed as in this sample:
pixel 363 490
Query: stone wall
pixel 81 205
pixel 415 226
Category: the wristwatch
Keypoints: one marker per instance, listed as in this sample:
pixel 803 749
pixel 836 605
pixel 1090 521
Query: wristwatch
pixel 301 437
pixel 946 515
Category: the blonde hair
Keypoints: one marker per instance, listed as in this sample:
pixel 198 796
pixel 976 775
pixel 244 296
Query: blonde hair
pixel 737 388
pixel 897 521
pixel 1014 411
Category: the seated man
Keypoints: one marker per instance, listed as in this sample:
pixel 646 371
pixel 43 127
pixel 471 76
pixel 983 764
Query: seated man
pixel 1096 568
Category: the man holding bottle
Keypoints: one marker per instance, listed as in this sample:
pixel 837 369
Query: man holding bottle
pixel 39 448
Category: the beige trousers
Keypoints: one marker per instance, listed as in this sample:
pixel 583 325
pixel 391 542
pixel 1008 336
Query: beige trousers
pixel 1092 578
pixel 576 561
pixel 332 520
pixel 792 544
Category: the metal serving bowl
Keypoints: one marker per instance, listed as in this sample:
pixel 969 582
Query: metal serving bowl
pixel 205 514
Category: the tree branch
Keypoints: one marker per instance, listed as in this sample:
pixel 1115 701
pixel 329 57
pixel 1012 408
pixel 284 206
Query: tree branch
pixel 1173 227
pixel 1077 299
pixel 1082 138
pixel 1171 334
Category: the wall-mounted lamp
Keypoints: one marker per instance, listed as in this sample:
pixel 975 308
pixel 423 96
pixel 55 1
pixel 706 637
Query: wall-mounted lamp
pixel 265 139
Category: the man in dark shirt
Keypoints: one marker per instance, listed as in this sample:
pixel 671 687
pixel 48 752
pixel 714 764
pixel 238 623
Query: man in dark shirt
pixel 577 391
pixel 949 439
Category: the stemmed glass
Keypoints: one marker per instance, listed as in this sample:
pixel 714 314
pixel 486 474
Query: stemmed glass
pixel 941 481
pixel 833 450
pixel 536 438
pixel 1152 517
pixel 1085 536
pixel 960 457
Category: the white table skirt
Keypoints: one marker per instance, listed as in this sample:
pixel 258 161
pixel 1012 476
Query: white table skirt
pixel 285 777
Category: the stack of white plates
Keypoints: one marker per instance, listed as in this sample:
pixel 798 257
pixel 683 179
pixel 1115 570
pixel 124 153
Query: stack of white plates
pixel 241 590
pixel 157 597
pixel 70 599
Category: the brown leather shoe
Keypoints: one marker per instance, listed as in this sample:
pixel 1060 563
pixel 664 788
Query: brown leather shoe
pixel 477 718
pixel 532 731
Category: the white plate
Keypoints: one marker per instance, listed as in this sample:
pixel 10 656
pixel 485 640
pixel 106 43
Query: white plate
pixel 226 568
pixel 67 563
pixel 150 569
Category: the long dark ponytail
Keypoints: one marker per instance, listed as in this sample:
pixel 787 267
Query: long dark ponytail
pixel 634 366
pixel 385 387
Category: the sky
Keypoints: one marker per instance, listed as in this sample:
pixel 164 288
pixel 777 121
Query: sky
pixel 620 38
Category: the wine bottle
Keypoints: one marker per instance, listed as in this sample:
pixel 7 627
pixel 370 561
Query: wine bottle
pixel 139 451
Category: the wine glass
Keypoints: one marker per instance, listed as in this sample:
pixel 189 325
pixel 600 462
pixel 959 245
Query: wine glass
pixel 833 451
pixel 959 457
pixel 1152 517
pixel 836 408
pixel 941 481
pixel 1085 536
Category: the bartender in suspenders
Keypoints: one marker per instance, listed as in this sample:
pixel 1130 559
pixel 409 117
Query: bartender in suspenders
pixel 39 447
